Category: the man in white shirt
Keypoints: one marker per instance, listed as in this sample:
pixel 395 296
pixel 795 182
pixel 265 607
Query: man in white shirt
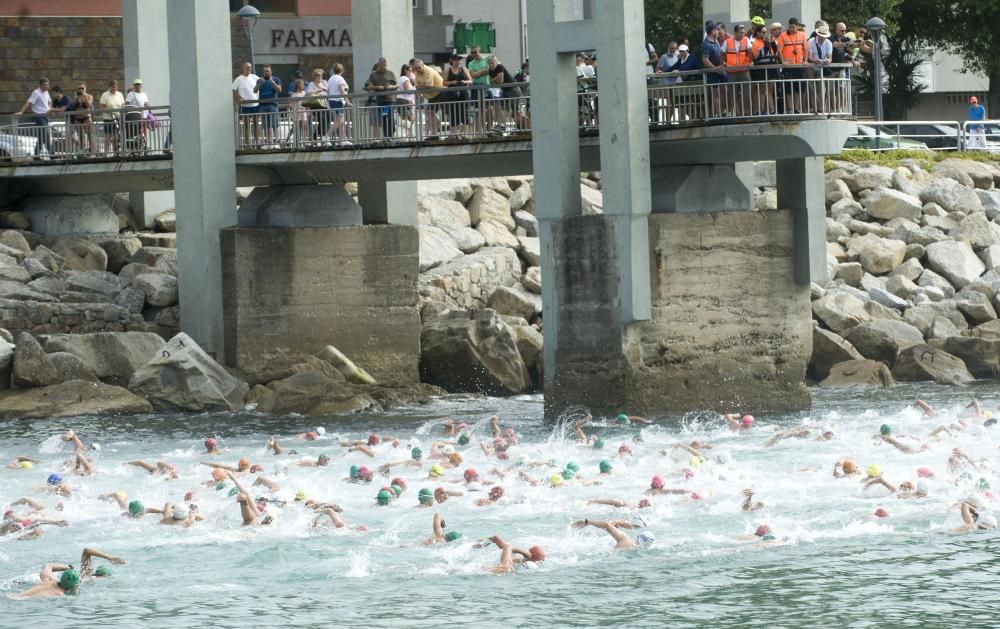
pixel 40 103
pixel 243 93
pixel 110 100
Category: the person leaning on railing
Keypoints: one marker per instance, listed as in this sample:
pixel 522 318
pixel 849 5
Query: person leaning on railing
pixel 820 54
pixel 429 81
pixel 510 92
pixel 766 55
pixel 457 112
pixel 82 107
pixel 736 55
pixel 792 47
pixel 382 81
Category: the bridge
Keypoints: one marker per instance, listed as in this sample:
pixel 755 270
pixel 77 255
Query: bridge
pixel 677 297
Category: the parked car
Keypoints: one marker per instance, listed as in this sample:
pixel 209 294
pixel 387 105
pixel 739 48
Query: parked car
pixel 866 139
pixel 935 136
pixel 15 146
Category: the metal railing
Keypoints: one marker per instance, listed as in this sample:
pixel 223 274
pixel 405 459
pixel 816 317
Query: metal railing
pixel 104 134
pixel 981 136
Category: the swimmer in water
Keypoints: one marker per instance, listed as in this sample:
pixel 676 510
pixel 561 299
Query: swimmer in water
pixel 68 583
pixel 450 428
pixel 657 488
pixel 802 432
pixel 251 510
pixel 508 562
pixel 762 535
pixel 439 536
pixel 925 407
pixel 328 516
pixel 87 570
pixel 441 494
pixel 739 424
pixel 885 434
pixel 272 485
pixel 621 504
pixel 496 493
pixel 167 469
pixel 622 541
pixel 242 466
pixel 322 461
pixel 845 467
pixel 179 515
pixel 621 419
pixel 83 467
pixel 77 444
pixel 23 463
pixel 212 446
pixel 748 503
pixel 972 519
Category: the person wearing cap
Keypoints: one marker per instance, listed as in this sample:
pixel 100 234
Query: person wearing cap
pixel 977 133
pixel 382 82
pixel 736 55
pixel 972 518
pixel 819 53
pixel 792 48
pixel 136 98
pixel 509 562
pixel 87 563
pixel 712 61
pixel 68 583
pixel 622 541
pixel 438 536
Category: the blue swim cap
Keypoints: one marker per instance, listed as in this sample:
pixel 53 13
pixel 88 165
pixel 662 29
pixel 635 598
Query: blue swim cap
pixel 54 479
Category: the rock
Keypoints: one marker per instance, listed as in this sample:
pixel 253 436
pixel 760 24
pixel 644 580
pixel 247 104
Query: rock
pixel 886 203
pixel 988 330
pixel 766 200
pixel 6 363
pixel 497 234
pixel 182 376
pixel 967 172
pixel 72 214
pixel 836 251
pixel 839 311
pixel 530 250
pixel 466 239
pixel 910 269
pixel 955 261
pixel 975 230
pixel 836 231
pixel 887 299
pixel 926 236
pixel 837 190
pixel 496 184
pixel 49 259
pixel 952 196
pixel 991 202
pixel 941 328
pixel 32 367
pixel 166 264
pixel 592 201
pixel 878 312
pixel 882 340
pixel 868 178
pixel 71 399
pixel 975 306
pixel 78 254
pixel 828 350
pixel 120 252
pixel 847 206
pixel 15 220
pixel 515 301
pixel 923 363
pixel 902 228
pixel 915 252
pixel 132 299
pixel 436 247
pixel 131 271
pixel 904 184
pixel 347 368
pixel 944 223
pixel 70 367
pixel 879 256
pixel 930 279
pixel 166 222
pixel 311 393
pixel 455 189
pixel 522 199
pixel 900 286
pixel 981 356
pixel 933 209
pixel 111 356
pixel 15 274
pixel 527 222
pixel 15 240
pixel 487 204
pixel 529 344
pixel 851 273
pixel 533 280
pixel 875 229
pixel 99 282
pixel 861 373
pixel 444 213
pixel 49 284
pixel 16 290
pixel 990 257
pixel 476 353
pixel 923 315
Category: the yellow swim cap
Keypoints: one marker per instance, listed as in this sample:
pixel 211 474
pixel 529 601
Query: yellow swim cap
pixel 873 470
pixel 695 460
pixel 26 465
pixel 120 494
pixel 436 470
pixel 555 480
pixel 300 495
pixel 987 414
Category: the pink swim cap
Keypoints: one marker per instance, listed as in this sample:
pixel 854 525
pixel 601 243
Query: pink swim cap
pixel 624 449
pixel 747 421
pixel 373 440
pixel 881 513
pixel 657 482
pixel 536 554
pixel 695 496
pixel 644 503
pixel 210 443
pixel 688 474
pixel 925 472
pixel 762 530
pixel 470 475
pixel 364 472
pixel 311 436
pixel 188 496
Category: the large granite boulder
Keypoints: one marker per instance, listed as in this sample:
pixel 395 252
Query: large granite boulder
pixel 112 356
pixel 956 261
pixel 883 339
pixel 859 373
pixel 161 290
pixel 436 247
pixel 952 196
pixel 976 230
pixel 516 301
pixel 886 203
pixel 879 256
pixel 488 204
pixel 70 399
pixel 6 364
pixel 923 363
pixel 183 377
pixel 474 352
pixel 981 356
pixel 923 315
pixel 868 178
pixel 80 254
pixel 310 392
pixel 829 349
pixel 32 367
pixel 967 172
pixel 840 311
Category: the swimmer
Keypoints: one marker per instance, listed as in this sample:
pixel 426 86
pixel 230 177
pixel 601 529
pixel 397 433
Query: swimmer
pixel 272 485
pixel 885 434
pixel 877 479
pixel 328 516
pixel 441 494
pixel 272 445
pixel 77 444
pixel 748 503
pixel 416 454
pixel 425 498
pixel 56 485
pixel 218 476
pixel 83 467
pixel 242 466
pixel 496 493
pixel 578 434
pixel 845 467
pixel 167 469
pixel 439 536
pixel 322 461
pixel 622 541
pixel 68 583
pixel 12 524
pixel 87 563
pixel 972 520
pixel 23 463
pixel 450 428
pixel 908 491
pixel 178 515
pixel 508 562
pixel 925 407
pixel 365 449
pixel 656 488
pixel 801 432
pixel 212 446
pixel 737 423
pixel 762 535
pixel 623 420
pixel 621 504
pixel 249 509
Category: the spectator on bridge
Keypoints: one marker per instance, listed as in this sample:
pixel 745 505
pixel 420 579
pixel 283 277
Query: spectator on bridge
pixel 457 112
pixel 138 99
pixel 977 133
pixel 427 78
pixel 792 47
pixel 246 98
pixel 711 60
pixel 668 63
pixel 267 89
pixel 337 91
pixel 300 115
pixel 736 53
pixel 40 102
pixel 382 81
pixel 83 119
pixel 480 72
pixel 583 71
pixel 317 95
pixel 767 55
pixel 405 101
pixel 111 100
pixel 509 91
pixel 820 54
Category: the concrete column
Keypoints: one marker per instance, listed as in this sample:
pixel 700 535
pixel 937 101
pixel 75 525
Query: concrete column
pixel 383 28
pixel 801 189
pixel 204 159
pixel 145 45
pixel 808 11
pixel 625 148
pixel 700 189
pixel 728 12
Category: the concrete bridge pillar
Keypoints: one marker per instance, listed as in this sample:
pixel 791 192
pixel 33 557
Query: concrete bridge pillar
pixel 204 159
pixel 728 12
pixel 801 190
pixel 145 43
pixel 808 11
pixel 700 188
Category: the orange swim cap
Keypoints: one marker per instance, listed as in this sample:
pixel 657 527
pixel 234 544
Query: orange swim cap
pixel 218 474
pixel 243 464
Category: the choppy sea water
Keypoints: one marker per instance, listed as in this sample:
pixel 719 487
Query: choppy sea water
pixel 836 565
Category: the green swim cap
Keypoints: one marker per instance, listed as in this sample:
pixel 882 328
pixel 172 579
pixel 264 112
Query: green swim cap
pixel 136 508
pixel 768 538
pixel 103 571
pixel 384 497
pixel 598 443
pixel 463 439
pixel 425 495
pixel 69 580
pixel 451 536
pixel 885 429
pixel 220 486
pixel 984 484
pixel 353 471
pixel 233 491
pixel 622 418
pixel 396 489
pixel 416 453
pixel 573 466
pixel 606 467
pixel 568 474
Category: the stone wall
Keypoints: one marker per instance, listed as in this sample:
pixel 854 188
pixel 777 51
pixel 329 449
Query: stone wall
pixel 731 331
pixel 289 291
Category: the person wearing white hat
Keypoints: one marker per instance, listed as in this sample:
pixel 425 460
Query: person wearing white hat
pixel 819 52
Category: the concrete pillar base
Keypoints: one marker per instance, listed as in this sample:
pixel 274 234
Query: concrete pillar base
pixel 700 189
pixel 801 187
pixel 388 203
pixel 146 206
pixel 299 206
pixel 294 291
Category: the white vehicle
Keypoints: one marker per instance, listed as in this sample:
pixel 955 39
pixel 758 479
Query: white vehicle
pixel 16 146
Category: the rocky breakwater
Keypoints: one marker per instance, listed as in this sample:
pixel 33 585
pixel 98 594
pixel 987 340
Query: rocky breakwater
pixel 481 282
pixel 914 260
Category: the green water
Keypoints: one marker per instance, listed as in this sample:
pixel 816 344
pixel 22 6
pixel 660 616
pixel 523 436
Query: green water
pixel 835 568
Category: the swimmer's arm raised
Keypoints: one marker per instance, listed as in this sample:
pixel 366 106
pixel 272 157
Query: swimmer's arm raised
pixel 364 449
pixel 611 502
pixel 925 407
pixel 37 506
pixel 221 466
pixel 46 573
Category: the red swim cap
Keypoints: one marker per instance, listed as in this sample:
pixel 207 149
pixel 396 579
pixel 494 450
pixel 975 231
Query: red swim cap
pixel 256 468
pixel 657 482
pixel 188 496
pixel 925 472
pixel 881 513
pixel 695 496
pixel 496 493
pixel 470 475
pixel 210 443
pixel 364 473
pixel 762 530
pixel 398 482
pixel 644 503
pixel 535 553
pixel 373 440
pixel 310 436
pixel 624 449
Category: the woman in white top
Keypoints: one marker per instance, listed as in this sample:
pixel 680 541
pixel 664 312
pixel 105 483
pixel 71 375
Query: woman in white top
pixel 138 99
pixel 406 84
pixel 300 115
pixel 338 90
pixel 319 88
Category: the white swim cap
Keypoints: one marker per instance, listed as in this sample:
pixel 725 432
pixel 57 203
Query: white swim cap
pixel 448 450
pixel 986 522
pixel 180 513
pixel 645 539
pixel 96 446
pixel 724 457
pixel 320 430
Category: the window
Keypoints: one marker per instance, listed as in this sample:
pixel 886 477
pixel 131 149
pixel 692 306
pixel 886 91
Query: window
pixel 264 6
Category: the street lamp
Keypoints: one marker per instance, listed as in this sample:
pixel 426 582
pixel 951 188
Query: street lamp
pixel 248 15
pixel 875 27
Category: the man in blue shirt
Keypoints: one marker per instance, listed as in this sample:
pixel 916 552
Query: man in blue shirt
pixel 711 60
pixel 268 89
pixel 977 133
